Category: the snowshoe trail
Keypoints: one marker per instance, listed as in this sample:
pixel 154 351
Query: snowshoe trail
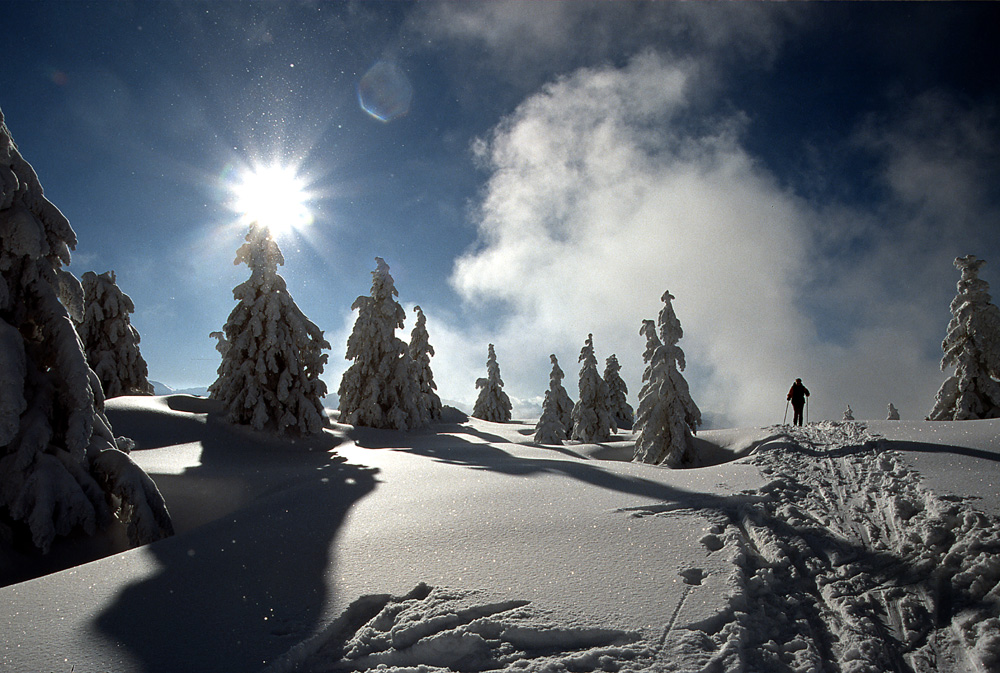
pixel 440 629
pixel 846 564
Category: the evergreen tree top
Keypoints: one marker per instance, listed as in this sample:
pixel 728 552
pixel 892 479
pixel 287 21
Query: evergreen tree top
pixel 670 326
pixel 587 352
pixel 260 252
pixel 556 375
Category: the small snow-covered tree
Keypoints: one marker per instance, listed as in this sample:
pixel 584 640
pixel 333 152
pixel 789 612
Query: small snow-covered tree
pixel 379 390
pixel 557 409
pixel 848 413
pixel 592 417
pixel 421 353
pixel 893 413
pixel 972 347
pixel 492 404
pixel 272 354
pixel 667 416
pixel 621 410
pixel 109 339
pixel 61 467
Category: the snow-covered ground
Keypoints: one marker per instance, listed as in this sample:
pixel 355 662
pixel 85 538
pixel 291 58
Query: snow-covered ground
pixel 466 547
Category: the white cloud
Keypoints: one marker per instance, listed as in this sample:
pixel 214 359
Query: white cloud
pixel 602 195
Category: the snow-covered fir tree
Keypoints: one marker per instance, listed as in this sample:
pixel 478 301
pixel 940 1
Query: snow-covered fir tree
pixel 272 354
pixel 848 413
pixel 592 417
pixel 972 347
pixel 61 467
pixel 380 390
pixel 621 410
pixel 109 339
pixel 557 409
pixel 893 413
pixel 492 404
pixel 667 416
pixel 421 353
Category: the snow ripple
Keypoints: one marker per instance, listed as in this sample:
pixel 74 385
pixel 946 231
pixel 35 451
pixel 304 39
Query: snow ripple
pixel 432 630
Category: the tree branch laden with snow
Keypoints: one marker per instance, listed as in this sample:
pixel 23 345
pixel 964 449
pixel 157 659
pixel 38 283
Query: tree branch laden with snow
pixel 972 347
pixel 61 468
pixel 109 339
pixel 380 389
pixel 667 416
pixel 621 410
pixel 272 354
pixel 421 353
pixel 592 417
pixel 492 404
pixel 557 410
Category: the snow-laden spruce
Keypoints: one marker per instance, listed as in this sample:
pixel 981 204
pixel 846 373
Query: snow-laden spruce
pixel 621 410
pixel 109 339
pixel 972 347
pixel 272 354
pixel 667 416
pixel 848 413
pixel 592 417
pixel 61 467
pixel 379 390
pixel 893 413
pixel 557 409
pixel 421 353
pixel 492 404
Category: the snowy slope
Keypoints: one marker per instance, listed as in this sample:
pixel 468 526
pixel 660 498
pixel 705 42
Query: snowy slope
pixel 835 547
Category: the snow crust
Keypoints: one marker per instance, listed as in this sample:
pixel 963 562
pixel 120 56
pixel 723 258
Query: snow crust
pixel 838 546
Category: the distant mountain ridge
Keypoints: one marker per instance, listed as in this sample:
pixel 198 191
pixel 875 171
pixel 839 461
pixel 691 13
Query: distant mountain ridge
pixel 164 389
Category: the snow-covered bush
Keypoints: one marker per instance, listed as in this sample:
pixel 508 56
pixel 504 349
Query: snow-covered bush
pixel 492 404
pixel 421 353
pixel 972 347
pixel 848 413
pixel 109 339
pixel 557 410
pixel 667 416
pixel 379 390
pixel 893 413
pixel 61 467
pixel 592 417
pixel 621 410
pixel 272 354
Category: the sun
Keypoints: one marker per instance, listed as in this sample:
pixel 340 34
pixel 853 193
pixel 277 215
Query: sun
pixel 274 196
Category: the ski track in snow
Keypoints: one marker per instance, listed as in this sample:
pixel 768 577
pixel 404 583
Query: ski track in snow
pixel 842 563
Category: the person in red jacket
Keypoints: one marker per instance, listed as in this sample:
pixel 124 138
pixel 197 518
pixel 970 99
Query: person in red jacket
pixel 798 394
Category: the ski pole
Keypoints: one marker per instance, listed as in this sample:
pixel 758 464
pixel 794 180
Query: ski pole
pixel 807 410
pixel 785 419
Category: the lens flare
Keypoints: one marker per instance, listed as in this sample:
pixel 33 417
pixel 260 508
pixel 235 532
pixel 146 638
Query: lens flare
pixel 274 196
pixel 385 91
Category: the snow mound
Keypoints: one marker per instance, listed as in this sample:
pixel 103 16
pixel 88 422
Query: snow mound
pixel 844 557
pixel 438 629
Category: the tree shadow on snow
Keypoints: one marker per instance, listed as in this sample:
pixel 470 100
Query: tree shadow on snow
pixel 239 590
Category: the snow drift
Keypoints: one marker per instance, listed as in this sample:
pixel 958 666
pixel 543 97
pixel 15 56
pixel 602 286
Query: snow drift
pixel 467 547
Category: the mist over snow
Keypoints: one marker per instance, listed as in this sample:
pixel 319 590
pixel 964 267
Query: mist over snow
pixel 607 187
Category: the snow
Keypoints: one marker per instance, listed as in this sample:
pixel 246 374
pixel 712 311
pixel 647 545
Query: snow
pixel 466 546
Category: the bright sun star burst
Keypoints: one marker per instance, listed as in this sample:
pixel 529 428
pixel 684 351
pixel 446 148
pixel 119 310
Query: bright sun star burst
pixel 274 196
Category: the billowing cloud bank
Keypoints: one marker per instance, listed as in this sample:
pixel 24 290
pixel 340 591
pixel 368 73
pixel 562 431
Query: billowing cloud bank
pixel 606 189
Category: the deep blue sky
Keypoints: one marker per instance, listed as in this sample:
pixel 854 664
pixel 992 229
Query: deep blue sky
pixel 869 129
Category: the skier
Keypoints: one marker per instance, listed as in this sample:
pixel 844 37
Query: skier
pixel 798 394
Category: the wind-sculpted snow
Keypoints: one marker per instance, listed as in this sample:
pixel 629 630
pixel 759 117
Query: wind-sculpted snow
pixel 843 562
pixel 440 629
